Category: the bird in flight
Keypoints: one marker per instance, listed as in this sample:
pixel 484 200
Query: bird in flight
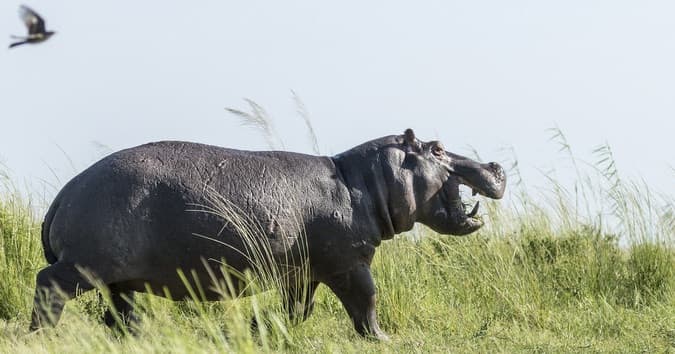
pixel 36 27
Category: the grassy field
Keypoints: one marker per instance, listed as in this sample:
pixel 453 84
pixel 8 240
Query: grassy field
pixel 539 277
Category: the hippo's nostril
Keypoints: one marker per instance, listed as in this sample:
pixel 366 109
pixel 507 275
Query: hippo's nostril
pixel 496 168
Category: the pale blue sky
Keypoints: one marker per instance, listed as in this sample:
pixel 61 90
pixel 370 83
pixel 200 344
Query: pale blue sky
pixel 490 74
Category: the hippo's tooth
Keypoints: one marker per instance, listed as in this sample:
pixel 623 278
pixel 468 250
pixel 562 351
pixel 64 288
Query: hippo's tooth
pixel 473 211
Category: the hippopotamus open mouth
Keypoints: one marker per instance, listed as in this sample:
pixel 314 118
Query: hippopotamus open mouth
pixel 486 179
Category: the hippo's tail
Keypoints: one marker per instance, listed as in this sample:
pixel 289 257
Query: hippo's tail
pixel 46 225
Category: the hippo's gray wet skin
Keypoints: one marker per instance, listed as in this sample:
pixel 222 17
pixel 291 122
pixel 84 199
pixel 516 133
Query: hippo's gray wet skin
pixel 130 219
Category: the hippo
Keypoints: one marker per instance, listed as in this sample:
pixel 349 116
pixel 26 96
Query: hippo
pixel 139 218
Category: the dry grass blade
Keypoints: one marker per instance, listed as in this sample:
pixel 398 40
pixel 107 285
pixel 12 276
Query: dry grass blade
pixel 286 272
pixel 258 119
pixel 304 114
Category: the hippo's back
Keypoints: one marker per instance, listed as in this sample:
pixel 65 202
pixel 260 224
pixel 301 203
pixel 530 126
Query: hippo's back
pixel 134 211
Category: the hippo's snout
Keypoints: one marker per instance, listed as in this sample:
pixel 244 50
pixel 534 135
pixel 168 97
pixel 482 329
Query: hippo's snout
pixel 492 180
pixel 487 179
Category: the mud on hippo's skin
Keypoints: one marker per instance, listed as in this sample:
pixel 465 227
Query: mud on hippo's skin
pixel 129 219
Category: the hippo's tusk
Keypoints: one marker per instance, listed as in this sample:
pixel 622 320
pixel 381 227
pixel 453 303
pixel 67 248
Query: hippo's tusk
pixel 473 211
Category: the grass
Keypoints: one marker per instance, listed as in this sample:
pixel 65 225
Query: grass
pixel 20 252
pixel 529 292
pixel 583 268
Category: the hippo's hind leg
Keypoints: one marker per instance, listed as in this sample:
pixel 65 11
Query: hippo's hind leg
pixel 121 314
pixel 300 301
pixel 356 291
pixel 55 285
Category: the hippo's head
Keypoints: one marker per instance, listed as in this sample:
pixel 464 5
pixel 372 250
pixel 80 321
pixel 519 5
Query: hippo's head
pixel 421 184
pixel 431 176
pixel 437 175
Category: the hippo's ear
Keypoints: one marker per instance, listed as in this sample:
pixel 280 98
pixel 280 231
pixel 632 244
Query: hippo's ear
pixel 409 136
pixel 410 141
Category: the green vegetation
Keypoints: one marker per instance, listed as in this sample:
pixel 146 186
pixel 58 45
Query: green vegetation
pixel 20 253
pixel 548 276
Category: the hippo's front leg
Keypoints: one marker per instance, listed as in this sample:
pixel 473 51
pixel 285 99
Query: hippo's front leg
pixel 356 291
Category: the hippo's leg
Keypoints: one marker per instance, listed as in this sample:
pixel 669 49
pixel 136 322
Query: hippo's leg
pixel 356 291
pixel 123 306
pixel 300 301
pixel 54 286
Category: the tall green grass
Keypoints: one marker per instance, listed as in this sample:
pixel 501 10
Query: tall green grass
pixel 20 250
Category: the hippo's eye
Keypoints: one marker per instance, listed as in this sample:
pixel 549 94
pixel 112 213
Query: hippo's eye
pixel 438 150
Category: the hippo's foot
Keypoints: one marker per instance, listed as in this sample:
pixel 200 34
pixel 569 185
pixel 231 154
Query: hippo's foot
pixel 379 336
pixel 372 328
pixel 367 325
pixel 356 291
pixel 120 316
pixel 55 285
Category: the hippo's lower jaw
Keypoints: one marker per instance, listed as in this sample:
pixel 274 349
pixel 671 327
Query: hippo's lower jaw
pixel 468 226
pixel 463 223
pixel 458 221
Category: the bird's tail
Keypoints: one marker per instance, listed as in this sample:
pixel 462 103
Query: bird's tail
pixel 16 44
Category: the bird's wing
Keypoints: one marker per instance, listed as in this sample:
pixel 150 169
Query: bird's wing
pixel 33 21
